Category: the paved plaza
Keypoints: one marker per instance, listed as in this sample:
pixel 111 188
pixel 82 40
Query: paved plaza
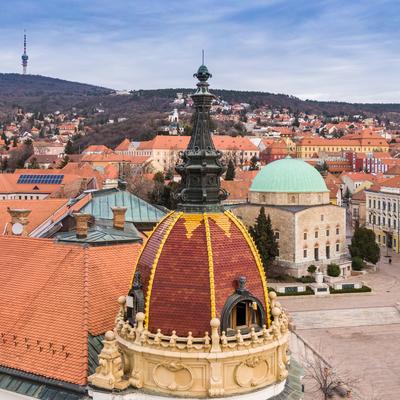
pixel 358 333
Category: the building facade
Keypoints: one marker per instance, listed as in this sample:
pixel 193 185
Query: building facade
pixel 309 229
pixel 382 212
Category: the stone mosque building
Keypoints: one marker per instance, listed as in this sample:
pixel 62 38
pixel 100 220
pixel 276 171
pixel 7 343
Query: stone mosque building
pixel 309 230
pixel 198 321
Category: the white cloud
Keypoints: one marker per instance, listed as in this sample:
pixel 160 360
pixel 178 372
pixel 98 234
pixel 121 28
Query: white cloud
pixel 334 51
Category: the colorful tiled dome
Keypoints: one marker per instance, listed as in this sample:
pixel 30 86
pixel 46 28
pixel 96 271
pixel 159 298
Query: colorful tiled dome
pixel 289 175
pixel 191 265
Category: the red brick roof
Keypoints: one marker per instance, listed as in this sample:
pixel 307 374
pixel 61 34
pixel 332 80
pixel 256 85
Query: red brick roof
pixel 180 295
pixel 52 297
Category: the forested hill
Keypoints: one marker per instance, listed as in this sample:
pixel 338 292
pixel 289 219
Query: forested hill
pixel 40 93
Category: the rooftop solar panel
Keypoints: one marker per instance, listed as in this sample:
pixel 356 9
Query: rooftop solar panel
pixel 35 179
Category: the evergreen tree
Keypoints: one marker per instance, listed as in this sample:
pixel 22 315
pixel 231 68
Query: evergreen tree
pixel 363 245
pixel 264 238
pixel 69 148
pixel 33 164
pixel 254 163
pixel 230 172
pixel 64 162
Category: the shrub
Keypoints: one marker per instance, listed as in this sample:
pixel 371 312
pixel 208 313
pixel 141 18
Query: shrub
pixel 311 269
pixel 306 279
pixel 308 291
pixel 357 264
pixel 333 270
pixel 364 289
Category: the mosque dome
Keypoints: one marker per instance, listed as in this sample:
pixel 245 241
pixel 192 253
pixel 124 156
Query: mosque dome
pixel 193 267
pixel 289 175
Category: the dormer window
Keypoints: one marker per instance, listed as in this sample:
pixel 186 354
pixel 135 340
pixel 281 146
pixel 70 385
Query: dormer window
pixel 242 311
pixel 135 299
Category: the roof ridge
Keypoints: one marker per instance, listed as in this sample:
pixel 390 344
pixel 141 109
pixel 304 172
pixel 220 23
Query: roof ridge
pixel 86 299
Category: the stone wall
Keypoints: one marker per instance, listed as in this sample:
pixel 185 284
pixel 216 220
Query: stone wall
pixel 289 199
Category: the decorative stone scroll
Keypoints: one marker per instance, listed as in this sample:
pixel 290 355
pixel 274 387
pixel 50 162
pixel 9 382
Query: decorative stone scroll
pixel 109 373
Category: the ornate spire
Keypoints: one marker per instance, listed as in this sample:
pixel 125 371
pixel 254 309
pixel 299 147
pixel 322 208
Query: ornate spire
pixel 201 168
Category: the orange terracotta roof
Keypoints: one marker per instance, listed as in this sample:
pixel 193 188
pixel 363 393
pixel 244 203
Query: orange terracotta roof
pixel 66 209
pixel 53 296
pixel 395 170
pixel 221 142
pixel 359 196
pixel 238 190
pixel 358 176
pixel 124 145
pixel 41 210
pixel 98 148
pixel 391 182
pixel 113 157
pixel 249 175
pixel 225 142
pixel 8 183
pixel 165 142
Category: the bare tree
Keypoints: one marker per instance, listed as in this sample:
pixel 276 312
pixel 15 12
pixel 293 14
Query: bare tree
pixel 327 380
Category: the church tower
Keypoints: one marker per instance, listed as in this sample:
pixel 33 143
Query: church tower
pixel 198 321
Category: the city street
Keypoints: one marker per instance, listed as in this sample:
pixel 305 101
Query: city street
pixel 358 333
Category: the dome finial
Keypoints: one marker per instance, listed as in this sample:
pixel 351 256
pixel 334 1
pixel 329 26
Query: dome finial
pixel 201 168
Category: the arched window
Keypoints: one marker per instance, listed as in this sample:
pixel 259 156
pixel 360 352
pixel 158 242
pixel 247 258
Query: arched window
pixel 293 199
pixel 242 311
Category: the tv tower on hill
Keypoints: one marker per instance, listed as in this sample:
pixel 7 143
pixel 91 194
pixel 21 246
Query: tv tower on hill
pixel 24 56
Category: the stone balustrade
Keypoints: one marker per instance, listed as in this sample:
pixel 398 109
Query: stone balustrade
pixel 213 365
pixel 139 335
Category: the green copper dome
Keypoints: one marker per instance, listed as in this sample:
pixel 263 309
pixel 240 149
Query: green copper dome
pixel 288 175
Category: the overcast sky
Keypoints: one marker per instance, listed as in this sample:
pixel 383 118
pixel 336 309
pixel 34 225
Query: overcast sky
pixel 317 49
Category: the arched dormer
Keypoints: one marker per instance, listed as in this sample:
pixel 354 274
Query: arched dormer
pixel 242 311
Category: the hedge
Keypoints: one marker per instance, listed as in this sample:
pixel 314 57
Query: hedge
pixel 363 289
pixel 307 292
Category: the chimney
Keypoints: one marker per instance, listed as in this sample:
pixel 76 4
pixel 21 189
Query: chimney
pixel 19 220
pixel 84 184
pixel 82 226
pixel 62 190
pixel 119 217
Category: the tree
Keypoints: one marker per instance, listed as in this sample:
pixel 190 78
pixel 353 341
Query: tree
pixel 327 380
pixel 322 168
pixel 69 147
pixel 311 269
pixel 333 270
pixel 170 174
pixel 264 238
pixel 357 264
pixel 363 245
pixel 254 163
pixel 33 164
pixel 230 172
pixel 64 162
